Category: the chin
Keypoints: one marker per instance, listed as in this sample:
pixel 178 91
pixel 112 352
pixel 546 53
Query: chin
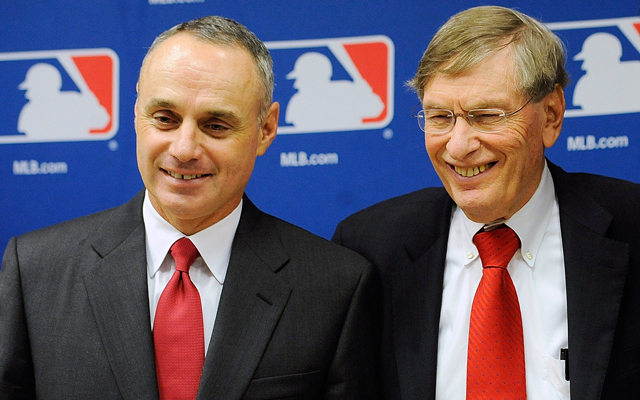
pixel 477 210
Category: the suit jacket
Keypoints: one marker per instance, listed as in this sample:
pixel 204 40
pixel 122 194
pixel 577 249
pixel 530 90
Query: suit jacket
pixel 298 315
pixel 406 239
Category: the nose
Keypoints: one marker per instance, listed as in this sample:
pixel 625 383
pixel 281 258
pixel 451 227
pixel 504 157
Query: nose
pixel 463 139
pixel 185 145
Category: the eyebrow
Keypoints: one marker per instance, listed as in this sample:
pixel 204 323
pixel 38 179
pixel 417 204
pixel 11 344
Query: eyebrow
pixel 480 105
pixel 160 103
pixel 430 105
pixel 170 105
pixel 221 114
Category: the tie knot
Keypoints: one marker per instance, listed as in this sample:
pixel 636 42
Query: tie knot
pixel 184 253
pixel 496 247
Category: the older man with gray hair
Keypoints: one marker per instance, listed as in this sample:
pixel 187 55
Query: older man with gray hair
pixel 517 280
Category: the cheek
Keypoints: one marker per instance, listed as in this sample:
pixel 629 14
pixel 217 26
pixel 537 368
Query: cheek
pixel 149 149
pixel 140 148
pixel 528 149
pixel 435 146
pixel 230 156
pixel 143 147
pixel 527 137
pixel 515 144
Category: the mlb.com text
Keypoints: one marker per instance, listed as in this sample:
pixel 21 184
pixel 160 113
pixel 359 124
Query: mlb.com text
pixel 302 159
pixel 590 142
pixel 33 167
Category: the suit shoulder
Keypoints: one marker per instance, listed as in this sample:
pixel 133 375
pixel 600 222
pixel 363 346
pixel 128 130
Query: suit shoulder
pixel 613 188
pixel 69 234
pixel 619 197
pixel 397 214
pixel 408 200
pixel 299 241
pixel 590 198
pixel 382 232
pixel 72 229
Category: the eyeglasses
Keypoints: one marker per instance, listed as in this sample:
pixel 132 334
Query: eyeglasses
pixel 438 122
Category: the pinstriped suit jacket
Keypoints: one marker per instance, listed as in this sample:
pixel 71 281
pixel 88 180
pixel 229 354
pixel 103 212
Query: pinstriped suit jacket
pixel 298 316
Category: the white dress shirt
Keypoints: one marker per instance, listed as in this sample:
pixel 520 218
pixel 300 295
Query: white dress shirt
pixel 537 271
pixel 207 272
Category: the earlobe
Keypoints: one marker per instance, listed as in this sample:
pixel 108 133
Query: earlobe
pixel 269 128
pixel 554 110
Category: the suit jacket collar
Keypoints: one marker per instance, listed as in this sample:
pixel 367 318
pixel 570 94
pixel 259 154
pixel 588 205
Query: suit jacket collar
pixel 116 282
pixel 251 304
pixel 252 301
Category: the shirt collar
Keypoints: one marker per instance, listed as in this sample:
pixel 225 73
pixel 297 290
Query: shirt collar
pixel 538 208
pixel 213 243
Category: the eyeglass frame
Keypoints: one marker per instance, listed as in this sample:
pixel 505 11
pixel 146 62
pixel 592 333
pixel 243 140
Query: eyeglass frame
pixel 467 117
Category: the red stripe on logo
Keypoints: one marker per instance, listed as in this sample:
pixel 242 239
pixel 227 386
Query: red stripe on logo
pixel 97 72
pixel 371 59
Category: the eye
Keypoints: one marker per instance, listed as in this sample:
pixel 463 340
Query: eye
pixel 216 128
pixel 438 117
pixel 486 113
pixel 437 114
pixel 487 116
pixel 490 120
pixel 165 120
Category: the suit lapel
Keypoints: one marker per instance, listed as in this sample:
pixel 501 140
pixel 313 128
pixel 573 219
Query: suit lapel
pixel 251 304
pixel 595 269
pixel 416 295
pixel 116 284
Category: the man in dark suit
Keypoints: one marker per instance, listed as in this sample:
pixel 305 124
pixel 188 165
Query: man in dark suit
pixel 577 269
pixel 284 314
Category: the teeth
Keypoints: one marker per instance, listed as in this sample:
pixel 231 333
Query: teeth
pixel 180 176
pixel 471 171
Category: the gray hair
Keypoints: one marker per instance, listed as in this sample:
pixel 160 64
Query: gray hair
pixel 226 32
pixel 474 34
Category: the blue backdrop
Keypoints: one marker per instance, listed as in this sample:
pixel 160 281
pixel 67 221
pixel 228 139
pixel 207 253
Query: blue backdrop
pixel 67 89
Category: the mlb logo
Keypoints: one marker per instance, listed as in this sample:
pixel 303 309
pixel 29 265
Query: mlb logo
pixel 59 95
pixel 331 85
pixel 603 60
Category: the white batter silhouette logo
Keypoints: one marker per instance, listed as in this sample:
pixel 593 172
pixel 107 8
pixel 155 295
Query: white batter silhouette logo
pixel 323 104
pixel 608 81
pixel 60 95
pixel 50 109
pixel 609 86
pixel 334 84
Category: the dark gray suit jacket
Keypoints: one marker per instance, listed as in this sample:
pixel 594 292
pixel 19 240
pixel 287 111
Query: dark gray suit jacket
pixel 406 239
pixel 298 316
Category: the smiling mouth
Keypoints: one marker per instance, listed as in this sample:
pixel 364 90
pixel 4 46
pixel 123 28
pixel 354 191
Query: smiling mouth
pixel 185 177
pixel 469 172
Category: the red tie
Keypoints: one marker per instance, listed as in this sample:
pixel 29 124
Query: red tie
pixel 178 330
pixel 495 367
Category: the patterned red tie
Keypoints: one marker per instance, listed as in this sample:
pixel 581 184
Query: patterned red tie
pixel 495 366
pixel 178 330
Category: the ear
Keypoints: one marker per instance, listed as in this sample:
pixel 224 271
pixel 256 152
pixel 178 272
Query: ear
pixel 135 105
pixel 554 106
pixel 269 128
